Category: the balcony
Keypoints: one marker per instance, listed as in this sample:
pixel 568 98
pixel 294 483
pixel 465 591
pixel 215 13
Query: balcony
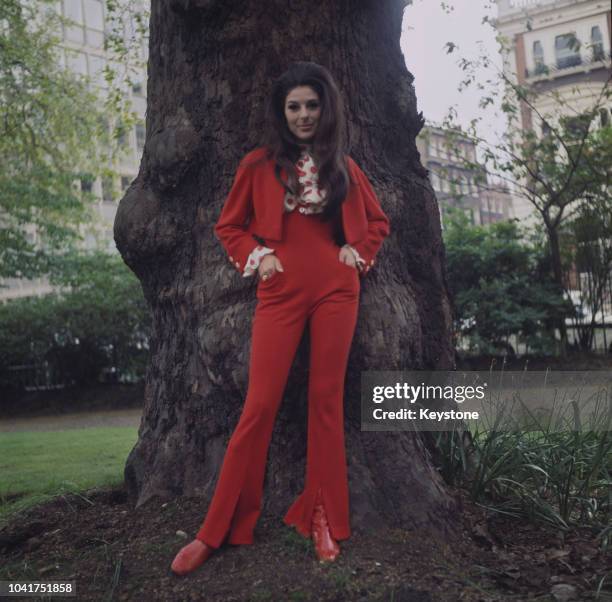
pixel 569 64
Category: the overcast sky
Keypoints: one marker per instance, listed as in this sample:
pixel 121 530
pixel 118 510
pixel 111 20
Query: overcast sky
pixel 426 29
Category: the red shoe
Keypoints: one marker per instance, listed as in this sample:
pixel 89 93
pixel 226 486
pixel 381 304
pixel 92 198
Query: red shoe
pixel 325 545
pixel 190 557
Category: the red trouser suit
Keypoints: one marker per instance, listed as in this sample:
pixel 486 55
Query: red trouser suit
pixel 317 289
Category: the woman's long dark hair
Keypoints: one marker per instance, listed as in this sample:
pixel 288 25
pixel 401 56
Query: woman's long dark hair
pixel 328 145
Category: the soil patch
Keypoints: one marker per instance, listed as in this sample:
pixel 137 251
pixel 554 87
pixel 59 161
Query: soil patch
pixel 115 552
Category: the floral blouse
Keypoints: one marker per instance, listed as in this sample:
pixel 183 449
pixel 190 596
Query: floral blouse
pixel 311 200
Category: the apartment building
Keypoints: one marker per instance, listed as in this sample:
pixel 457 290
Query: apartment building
pixel 82 51
pixel 556 47
pixel 454 184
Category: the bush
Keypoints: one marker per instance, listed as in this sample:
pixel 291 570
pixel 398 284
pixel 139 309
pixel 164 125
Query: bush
pixel 95 322
pixel 500 287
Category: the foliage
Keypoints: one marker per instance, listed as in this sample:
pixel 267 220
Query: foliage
pixel 560 478
pixel 498 284
pixel 52 142
pixel 559 160
pixel 127 26
pixel 591 240
pixel 97 320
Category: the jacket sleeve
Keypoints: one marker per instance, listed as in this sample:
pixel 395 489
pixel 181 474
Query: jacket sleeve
pixel 378 222
pixel 231 228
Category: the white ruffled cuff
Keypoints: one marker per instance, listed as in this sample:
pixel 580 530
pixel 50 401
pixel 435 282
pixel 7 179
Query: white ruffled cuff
pixel 358 259
pixel 252 262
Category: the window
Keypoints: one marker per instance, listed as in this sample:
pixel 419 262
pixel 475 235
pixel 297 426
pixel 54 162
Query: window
pixel 140 136
pixel 604 117
pixel 130 27
pixel 105 125
pixel 576 127
pixel 567 51
pixel 597 43
pixel 72 10
pixel 76 62
pixel 74 33
pixel 538 57
pixel 145 49
pixel 96 70
pixel 86 184
pixel 435 181
pixel 107 188
pixel 95 38
pixel 93 14
pixel 122 135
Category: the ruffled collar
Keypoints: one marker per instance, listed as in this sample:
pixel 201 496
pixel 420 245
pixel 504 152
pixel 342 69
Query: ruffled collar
pixel 309 197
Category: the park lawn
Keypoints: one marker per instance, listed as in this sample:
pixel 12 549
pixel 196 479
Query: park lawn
pixel 35 466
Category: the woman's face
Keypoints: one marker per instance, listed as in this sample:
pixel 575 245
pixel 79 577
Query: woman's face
pixel 302 111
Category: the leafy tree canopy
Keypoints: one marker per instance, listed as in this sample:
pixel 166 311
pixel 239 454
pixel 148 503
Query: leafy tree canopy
pixel 54 141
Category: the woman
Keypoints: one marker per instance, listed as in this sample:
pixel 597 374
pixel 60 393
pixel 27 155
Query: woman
pixel 305 218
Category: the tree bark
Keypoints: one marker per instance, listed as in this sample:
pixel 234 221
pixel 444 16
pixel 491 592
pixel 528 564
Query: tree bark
pixel 555 254
pixel 211 65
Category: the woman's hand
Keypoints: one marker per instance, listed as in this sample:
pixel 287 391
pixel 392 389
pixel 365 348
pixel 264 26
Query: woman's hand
pixel 268 266
pixel 347 256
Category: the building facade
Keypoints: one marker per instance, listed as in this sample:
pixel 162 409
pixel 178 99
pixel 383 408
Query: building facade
pixel 556 47
pixel 82 51
pixel 456 183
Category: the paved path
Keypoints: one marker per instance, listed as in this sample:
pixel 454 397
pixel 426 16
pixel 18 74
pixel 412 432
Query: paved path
pixel 76 420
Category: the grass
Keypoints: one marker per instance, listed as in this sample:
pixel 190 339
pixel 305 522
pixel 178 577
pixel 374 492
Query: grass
pixel 36 466
pixel 295 541
pixel 559 478
pixel 340 577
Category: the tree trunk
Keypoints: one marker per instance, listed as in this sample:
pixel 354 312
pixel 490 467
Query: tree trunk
pixel 555 254
pixel 211 65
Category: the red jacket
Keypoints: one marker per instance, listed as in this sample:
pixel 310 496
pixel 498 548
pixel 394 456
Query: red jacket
pixel 255 205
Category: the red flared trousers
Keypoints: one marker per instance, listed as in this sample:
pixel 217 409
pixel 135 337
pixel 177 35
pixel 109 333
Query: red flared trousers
pixel 317 289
